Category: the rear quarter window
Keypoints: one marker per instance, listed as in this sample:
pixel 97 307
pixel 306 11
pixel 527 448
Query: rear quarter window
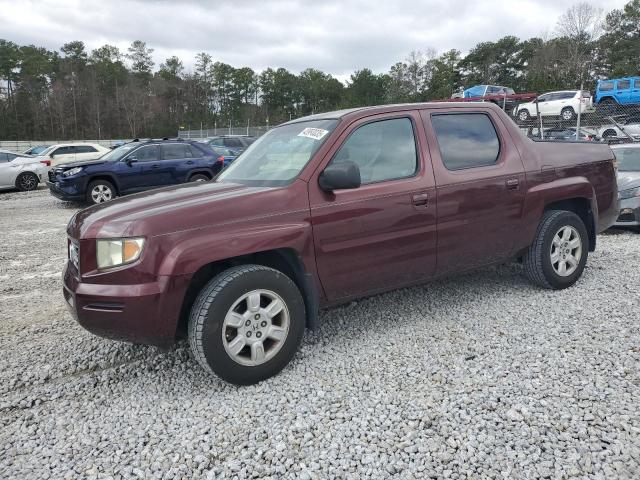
pixel 466 140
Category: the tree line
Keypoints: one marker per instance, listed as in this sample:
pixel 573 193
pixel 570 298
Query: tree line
pixel 107 93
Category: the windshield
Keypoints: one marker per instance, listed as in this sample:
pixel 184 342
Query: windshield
pixel 277 157
pixel 118 153
pixel 628 159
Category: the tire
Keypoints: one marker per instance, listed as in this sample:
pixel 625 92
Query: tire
pixel 27 182
pixel 225 301
pixel 607 105
pixel 538 261
pixel 523 115
pixel 100 191
pixel 199 177
pixel 567 114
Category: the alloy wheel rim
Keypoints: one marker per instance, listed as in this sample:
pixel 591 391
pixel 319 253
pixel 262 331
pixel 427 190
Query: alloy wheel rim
pixel 101 193
pixel 255 328
pixel 27 182
pixel 566 251
pixel 567 115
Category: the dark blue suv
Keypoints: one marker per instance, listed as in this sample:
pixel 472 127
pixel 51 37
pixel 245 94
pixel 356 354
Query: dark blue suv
pixel 134 167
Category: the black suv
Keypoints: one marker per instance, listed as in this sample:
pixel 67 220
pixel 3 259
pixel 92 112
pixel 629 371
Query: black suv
pixel 133 167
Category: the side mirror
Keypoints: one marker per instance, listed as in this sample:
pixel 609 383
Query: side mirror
pixel 340 176
pixel 130 160
pixel 51 155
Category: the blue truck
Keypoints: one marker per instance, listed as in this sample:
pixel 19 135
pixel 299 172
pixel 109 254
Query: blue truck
pixel 618 91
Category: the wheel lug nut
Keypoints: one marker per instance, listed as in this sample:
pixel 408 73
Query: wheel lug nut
pixel 263 324
pixel 247 323
pixel 248 334
pixel 258 334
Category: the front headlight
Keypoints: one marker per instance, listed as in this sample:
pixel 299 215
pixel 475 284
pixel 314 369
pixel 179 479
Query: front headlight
pixel 115 252
pixel 630 193
pixel 72 171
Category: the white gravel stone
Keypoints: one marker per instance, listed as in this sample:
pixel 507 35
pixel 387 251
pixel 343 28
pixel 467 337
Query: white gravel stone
pixel 480 376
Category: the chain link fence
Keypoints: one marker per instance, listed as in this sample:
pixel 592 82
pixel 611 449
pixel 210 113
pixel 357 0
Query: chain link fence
pixel 213 132
pixel 582 121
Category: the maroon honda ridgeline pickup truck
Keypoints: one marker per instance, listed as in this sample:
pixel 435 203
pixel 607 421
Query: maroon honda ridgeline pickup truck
pixel 329 208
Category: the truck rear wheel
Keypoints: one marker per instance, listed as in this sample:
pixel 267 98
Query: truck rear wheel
pixel 246 324
pixel 557 257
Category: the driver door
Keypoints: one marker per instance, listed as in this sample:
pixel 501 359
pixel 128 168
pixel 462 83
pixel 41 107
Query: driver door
pixel 134 172
pixel 383 234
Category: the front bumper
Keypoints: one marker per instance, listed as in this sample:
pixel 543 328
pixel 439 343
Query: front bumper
pixel 65 191
pixel 146 313
pixel 629 215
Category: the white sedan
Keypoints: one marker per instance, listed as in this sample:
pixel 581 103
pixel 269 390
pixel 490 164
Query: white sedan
pixel 625 128
pixel 19 171
pixel 71 152
pixel 565 104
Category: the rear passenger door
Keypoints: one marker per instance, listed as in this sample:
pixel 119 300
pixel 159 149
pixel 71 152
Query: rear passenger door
pixel 623 93
pixel 382 234
pixel 175 165
pixel 480 185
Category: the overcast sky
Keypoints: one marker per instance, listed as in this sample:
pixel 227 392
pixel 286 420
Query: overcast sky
pixel 336 36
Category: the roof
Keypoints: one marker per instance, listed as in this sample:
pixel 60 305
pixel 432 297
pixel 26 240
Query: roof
pixel 360 111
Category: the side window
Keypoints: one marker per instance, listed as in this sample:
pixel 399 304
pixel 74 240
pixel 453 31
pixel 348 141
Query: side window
pixel 4 157
pixel 173 151
pixel 149 153
pixel 384 150
pixel 605 86
pixel 544 98
pixel 466 140
pixel 218 142
pixel 62 151
pixel 567 95
pixel 233 143
pixel 85 149
pixel 624 84
pixel 195 151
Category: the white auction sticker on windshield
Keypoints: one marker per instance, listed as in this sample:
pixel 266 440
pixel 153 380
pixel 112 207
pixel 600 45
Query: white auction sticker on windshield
pixel 315 133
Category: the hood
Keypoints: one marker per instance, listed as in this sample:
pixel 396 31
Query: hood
pixel 627 180
pixel 186 207
pixel 86 163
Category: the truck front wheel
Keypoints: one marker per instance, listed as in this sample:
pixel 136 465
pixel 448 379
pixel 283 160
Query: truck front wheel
pixel 557 257
pixel 247 323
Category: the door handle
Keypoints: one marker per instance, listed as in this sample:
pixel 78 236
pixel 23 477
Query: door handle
pixel 420 200
pixel 155 166
pixel 512 183
pixel 190 162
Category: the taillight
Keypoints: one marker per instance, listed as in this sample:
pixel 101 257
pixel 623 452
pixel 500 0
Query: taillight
pixel 46 162
pixel 221 159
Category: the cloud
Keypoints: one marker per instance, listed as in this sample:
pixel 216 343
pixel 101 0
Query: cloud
pixel 336 36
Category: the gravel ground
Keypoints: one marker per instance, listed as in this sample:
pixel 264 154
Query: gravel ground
pixel 483 376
